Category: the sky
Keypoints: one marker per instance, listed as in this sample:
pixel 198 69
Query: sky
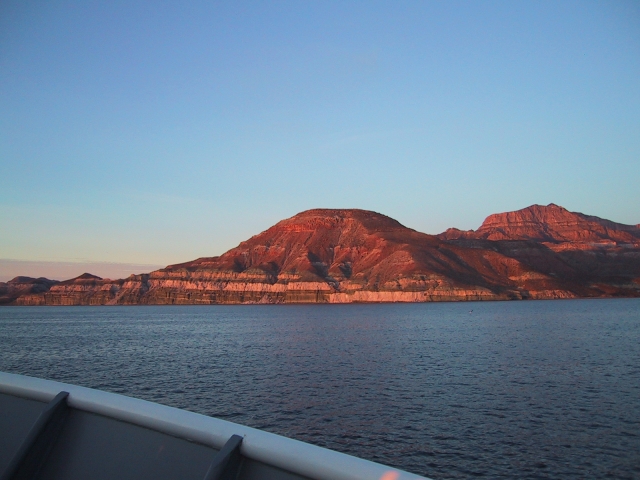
pixel 140 134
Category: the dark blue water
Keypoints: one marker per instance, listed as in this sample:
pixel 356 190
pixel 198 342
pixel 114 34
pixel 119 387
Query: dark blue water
pixel 539 389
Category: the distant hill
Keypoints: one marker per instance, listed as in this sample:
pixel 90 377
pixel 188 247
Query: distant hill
pixel 19 286
pixel 348 255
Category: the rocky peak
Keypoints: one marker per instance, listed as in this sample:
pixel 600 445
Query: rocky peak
pixel 326 245
pixel 85 278
pixel 550 223
pixel 338 219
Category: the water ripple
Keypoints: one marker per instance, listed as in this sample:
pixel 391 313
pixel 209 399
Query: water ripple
pixel 516 389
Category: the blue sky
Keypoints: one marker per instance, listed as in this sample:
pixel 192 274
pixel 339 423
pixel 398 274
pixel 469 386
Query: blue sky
pixel 158 132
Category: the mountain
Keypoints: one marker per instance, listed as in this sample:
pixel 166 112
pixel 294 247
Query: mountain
pixel 550 223
pixel 341 256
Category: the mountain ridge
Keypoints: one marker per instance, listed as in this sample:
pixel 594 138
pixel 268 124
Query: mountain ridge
pixel 550 223
pixel 352 255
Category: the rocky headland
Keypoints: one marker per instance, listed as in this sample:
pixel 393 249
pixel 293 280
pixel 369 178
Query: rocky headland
pixel 344 256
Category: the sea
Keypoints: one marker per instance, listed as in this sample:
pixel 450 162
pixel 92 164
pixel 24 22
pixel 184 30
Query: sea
pixel 521 389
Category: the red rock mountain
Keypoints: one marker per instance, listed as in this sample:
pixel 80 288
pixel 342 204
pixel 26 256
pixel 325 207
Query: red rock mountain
pixel 549 224
pixel 331 246
pixel 340 256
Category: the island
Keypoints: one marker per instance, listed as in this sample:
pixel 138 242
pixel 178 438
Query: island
pixel 350 255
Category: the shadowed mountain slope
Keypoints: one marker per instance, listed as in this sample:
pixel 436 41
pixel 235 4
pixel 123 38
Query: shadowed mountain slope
pixel 18 286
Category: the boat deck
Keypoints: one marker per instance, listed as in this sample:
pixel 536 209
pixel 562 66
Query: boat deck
pixel 54 431
pixel 87 445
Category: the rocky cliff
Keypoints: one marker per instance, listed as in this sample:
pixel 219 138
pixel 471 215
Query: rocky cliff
pixel 341 256
pixel 550 223
pixel 582 249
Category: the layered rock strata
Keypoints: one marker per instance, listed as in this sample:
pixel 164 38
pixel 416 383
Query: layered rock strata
pixel 582 249
pixel 343 256
pixel 550 224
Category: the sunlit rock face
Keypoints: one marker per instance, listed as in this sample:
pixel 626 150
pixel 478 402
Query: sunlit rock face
pixel 344 256
pixel 584 250
pixel 550 223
